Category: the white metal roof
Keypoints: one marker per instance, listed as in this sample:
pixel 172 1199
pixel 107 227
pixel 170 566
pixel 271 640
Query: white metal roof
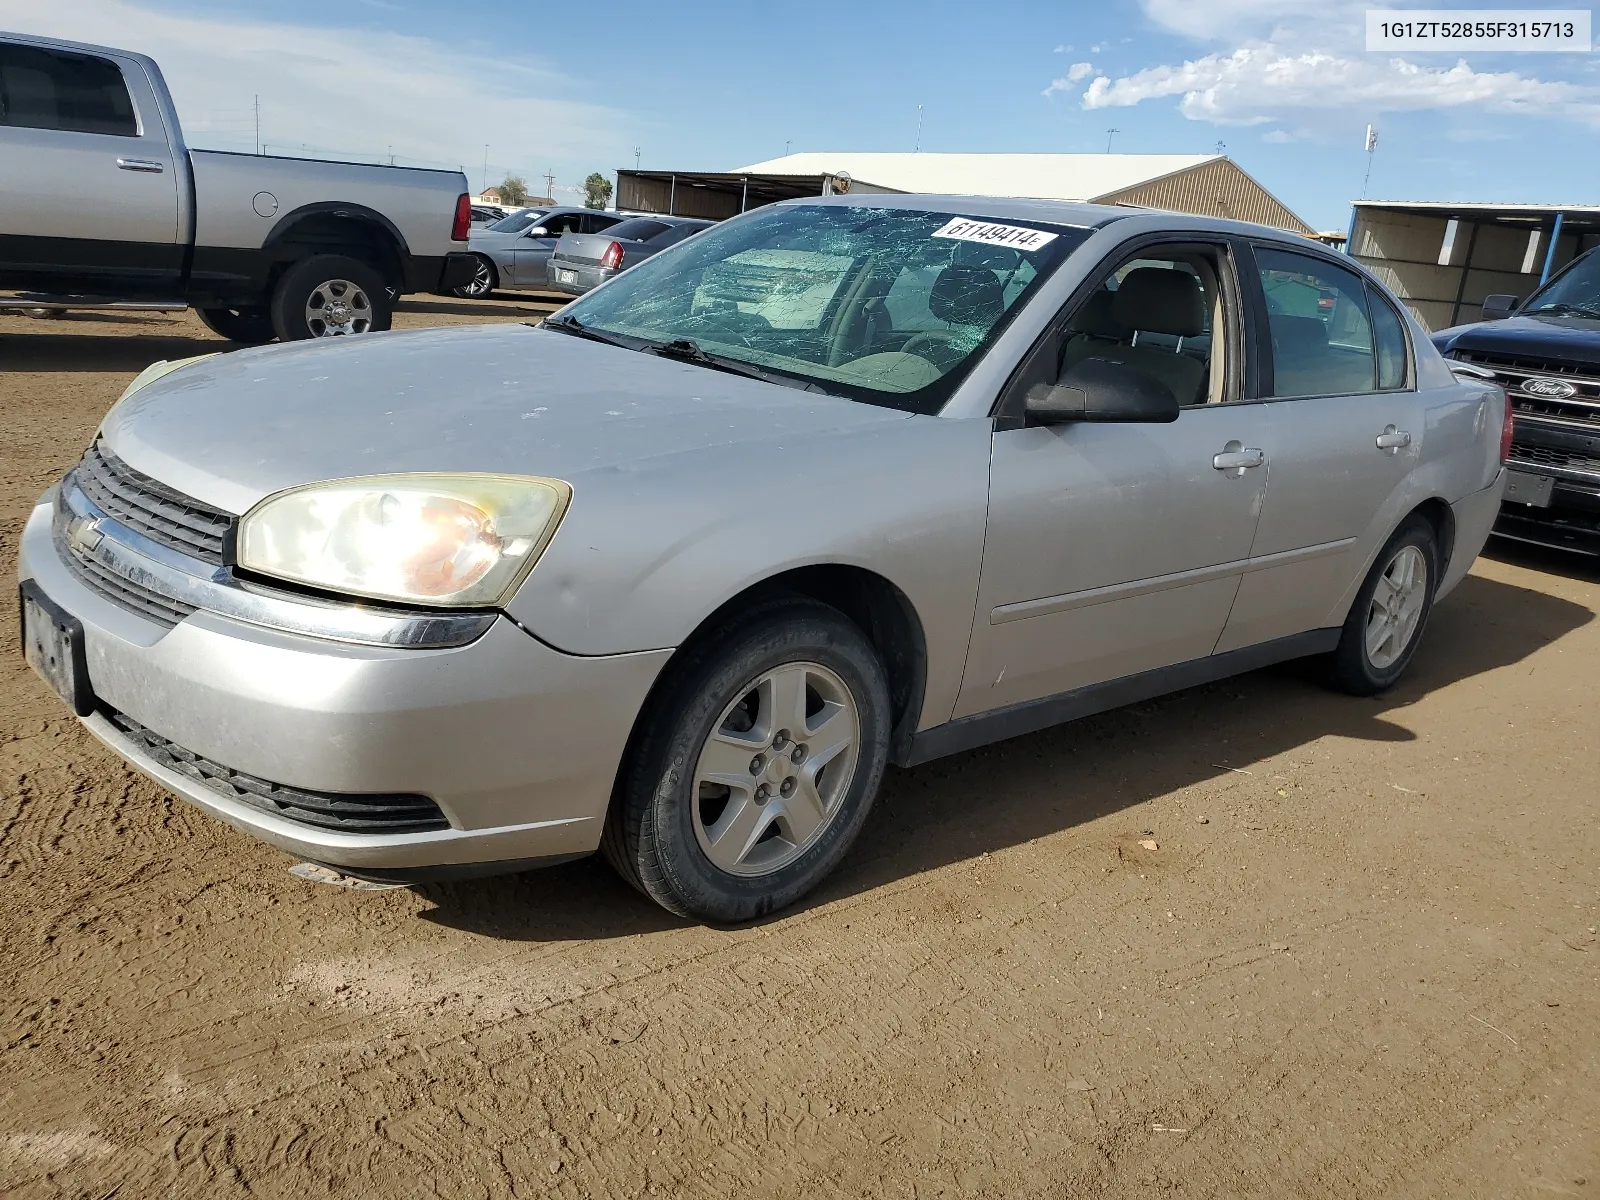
pixel 1044 176
pixel 1466 206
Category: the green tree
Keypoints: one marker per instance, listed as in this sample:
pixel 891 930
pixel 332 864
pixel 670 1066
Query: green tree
pixel 597 191
pixel 513 190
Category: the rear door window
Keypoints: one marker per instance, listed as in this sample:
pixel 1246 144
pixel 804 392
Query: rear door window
pixel 1389 334
pixel 73 93
pixel 596 222
pixel 1320 326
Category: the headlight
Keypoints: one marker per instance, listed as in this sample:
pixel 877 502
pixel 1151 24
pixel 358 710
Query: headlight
pixel 157 369
pixel 461 540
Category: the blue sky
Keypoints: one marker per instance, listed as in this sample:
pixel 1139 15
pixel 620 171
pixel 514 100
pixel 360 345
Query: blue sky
pixel 703 84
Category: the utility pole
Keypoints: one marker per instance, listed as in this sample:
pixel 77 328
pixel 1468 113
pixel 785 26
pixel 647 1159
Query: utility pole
pixel 550 184
pixel 636 158
pixel 787 142
pixel 1110 133
pixel 917 149
pixel 391 156
pixel 258 124
pixel 485 187
pixel 1372 146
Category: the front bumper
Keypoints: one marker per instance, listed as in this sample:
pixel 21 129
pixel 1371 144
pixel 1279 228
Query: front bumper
pixel 517 743
pixel 1570 522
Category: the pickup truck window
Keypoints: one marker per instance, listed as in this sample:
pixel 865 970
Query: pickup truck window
pixel 73 93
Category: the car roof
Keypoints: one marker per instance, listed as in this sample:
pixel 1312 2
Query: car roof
pixel 1058 212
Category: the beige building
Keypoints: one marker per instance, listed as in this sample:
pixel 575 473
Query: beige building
pixel 1206 184
pixel 1442 258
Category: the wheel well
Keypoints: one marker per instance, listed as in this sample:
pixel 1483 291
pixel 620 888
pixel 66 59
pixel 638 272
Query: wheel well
pixel 336 233
pixel 877 607
pixel 1443 519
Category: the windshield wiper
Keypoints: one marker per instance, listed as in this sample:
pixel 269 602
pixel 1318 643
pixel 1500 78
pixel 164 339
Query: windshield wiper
pixel 688 350
pixel 1562 309
pixel 577 328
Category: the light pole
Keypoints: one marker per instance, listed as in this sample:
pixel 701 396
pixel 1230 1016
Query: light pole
pixel 1110 133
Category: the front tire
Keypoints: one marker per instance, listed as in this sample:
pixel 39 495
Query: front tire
pixel 484 281
pixel 247 326
pixel 330 295
pixel 1386 622
pixel 755 765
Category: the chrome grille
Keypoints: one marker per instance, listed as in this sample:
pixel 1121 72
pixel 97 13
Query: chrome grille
pixel 130 594
pixel 388 812
pixel 160 513
pixel 1551 456
pixel 1581 408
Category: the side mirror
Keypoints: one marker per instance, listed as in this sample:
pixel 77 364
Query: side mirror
pixel 1498 307
pixel 538 231
pixel 1101 389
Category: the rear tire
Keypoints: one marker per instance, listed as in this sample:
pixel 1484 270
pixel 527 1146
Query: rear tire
pixel 330 295
pixel 247 326
pixel 1390 612
pixel 483 282
pixel 794 698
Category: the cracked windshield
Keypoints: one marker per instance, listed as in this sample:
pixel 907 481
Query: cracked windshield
pixel 886 305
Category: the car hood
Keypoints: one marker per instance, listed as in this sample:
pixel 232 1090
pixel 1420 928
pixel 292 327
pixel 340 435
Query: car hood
pixel 231 429
pixel 1571 340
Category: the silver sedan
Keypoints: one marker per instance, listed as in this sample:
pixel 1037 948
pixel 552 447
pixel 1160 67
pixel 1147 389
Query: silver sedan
pixel 515 252
pixel 834 485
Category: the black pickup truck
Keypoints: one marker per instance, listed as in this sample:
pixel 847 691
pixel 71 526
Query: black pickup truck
pixel 1545 352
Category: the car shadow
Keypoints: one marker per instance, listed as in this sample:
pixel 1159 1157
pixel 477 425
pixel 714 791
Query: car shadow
pixel 497 305
pixel 1546 559
pixel 1012 792
pixel 64 351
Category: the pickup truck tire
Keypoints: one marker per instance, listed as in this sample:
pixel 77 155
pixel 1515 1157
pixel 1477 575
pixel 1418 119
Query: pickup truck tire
pixel 330 295
pixel 247 326
pixel 484 281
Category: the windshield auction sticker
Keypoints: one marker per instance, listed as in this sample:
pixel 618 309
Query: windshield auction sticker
pixel 964 229
pixel 1459 29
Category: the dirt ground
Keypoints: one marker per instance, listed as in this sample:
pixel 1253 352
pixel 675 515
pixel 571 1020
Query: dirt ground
pixel 1361 961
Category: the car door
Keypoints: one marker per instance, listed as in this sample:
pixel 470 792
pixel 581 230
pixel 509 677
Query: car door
pixel 1117 549
pixel 88 183
pixel 531 258
pixel 1345 432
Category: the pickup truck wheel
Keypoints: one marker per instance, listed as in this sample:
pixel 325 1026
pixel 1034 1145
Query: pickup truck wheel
pixel 755 766
pixel 247 326
pixel 1385 624
pixel 330 296
pixel 483 281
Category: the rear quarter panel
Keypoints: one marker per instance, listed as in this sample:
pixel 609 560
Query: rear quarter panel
pixel 648 551
pixel 419 204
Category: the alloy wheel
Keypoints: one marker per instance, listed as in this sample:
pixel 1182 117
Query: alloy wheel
pixel 1397 606
pixel 337 308
pixel 773 773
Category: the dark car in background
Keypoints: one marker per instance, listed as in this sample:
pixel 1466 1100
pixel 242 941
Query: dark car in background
pixel 583 261
pixel 1545 352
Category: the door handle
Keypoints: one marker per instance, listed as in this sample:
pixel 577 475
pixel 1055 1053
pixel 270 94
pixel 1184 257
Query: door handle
pixel 1238 458
pixel 140 164
pixel 1392 439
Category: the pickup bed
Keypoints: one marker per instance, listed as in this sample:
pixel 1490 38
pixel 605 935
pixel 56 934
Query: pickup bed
pixel 102 205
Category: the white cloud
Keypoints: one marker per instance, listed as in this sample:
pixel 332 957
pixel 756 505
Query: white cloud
pixel 1304 65
pixel 1260 83
pixel 1062 49
pixel 1075 75
pixel 349 92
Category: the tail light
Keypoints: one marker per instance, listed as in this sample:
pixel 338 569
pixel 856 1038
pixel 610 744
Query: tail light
pixel 1506 429
pixel 462 225
pixel 612 258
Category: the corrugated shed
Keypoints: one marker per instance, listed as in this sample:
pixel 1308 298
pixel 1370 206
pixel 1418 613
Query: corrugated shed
pixel 1216 188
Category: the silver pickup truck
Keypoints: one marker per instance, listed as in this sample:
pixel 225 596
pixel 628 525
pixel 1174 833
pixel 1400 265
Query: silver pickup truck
pixel 103 206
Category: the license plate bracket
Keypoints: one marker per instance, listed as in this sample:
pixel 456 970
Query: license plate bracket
pixel 1525 488
pixel 52 644
pixel 566 276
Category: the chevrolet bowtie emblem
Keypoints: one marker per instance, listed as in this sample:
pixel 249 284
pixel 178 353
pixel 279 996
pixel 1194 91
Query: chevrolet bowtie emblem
pixel 84 533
